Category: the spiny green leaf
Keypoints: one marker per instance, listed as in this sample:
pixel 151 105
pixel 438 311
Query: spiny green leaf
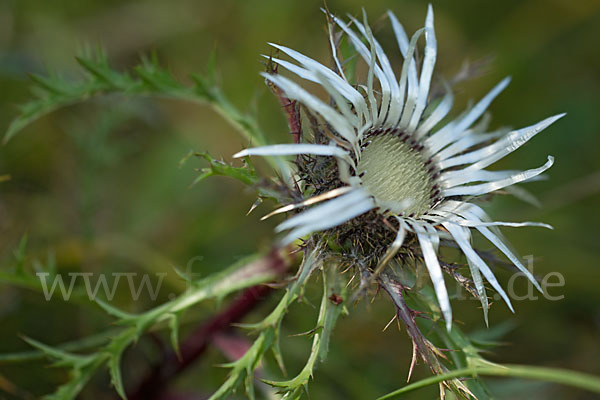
pixel 116 378
pixel 186 158
pixel 244 367
pixel 157 77
pixel 245 273
pixel 77 380
pixel 328 315
pixel 22 277
pixel 245 174
pixel 249 383
pixel 296 394
pixel 148 79
pixel 64 357
pixel 174 327
pixel 276 349
pixel 99 69
pixel 115 350
pixel 23 280
pixel 115 312
pixel 183 275
pixel 81 369
pixel 202 87
pixel 52 85
pixel 81 344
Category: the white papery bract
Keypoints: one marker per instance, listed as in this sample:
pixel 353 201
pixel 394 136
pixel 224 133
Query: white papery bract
pixel 396 157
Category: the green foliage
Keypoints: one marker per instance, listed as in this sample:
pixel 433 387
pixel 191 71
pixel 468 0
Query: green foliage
pixel 19 276
pixel 82 368
pixel 146 79
pixel 24 277
pixel 329 312
pixel 242 370
pixel 246 174
pixel 86 343
pixel 106 349
pixel 246 273
pixel 466 359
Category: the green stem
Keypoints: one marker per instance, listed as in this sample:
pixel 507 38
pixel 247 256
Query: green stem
pixel 555 375
pixel 86 343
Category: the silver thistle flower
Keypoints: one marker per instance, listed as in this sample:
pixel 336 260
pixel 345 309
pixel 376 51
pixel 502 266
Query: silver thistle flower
pixel 396 157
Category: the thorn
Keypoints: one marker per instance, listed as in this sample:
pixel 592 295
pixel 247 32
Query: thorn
pixel 254 205
pixel 389 323
pixel 413 361
pixel 351 279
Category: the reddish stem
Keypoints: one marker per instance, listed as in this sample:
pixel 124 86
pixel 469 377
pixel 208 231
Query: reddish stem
pixel 290 107
pixel 154 385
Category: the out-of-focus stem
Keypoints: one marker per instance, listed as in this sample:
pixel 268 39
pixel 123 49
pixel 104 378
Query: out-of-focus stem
pixel 154 385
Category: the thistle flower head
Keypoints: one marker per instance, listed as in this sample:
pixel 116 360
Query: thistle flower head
pixel 393 154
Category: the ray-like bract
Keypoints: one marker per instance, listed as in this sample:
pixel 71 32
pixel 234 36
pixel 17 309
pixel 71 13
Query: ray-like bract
pixel 454 153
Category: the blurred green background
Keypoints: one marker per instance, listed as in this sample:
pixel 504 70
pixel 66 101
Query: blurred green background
pixel 98 184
